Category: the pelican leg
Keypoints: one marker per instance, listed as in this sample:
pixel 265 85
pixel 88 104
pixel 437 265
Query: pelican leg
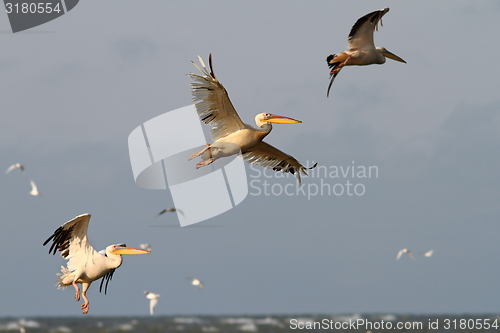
pixel 204 163
pixel 200 152
pixel 339 67
pixel 85 305
pixel 77 294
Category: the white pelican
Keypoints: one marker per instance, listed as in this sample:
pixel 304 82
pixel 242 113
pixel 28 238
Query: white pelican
pixel 15 166
pixel 85 264
pixel 170 210
pixel 34 189
pixel 362 50
pixel 196 282
pixel 400 253
pixel 145 246
pixel 230 134
pixel 153 300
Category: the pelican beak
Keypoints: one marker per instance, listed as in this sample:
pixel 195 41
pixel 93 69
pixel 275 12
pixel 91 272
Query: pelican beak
pixel 129 250
pixel 281 120
pixel 391 55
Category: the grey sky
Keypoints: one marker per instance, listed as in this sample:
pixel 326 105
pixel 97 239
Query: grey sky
pixel 73 89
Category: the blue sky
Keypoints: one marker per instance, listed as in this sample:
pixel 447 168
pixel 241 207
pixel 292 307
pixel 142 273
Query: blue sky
pixel 73 89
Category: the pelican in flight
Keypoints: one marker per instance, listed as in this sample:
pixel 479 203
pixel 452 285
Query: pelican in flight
pixel 362 50
pixel 196 282
pixel 153 300
pixel 85 265
pixel 15 166
pixel 230 135
pixel 145 246
pixel 34 189
pixel 403 251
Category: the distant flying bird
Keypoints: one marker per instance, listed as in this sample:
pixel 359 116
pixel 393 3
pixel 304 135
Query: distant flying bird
pixel 15 166
pixel 153 300
pixel 230 135
pixel 145 246
pixel 362 50
pixel 196 282
pixel 34 189
pixel 170 210
pixel 428 253
pixel 85 265
pixel 400 253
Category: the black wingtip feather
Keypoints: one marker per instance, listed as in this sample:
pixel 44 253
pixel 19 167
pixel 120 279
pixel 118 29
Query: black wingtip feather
pixel 59 240
pixel 315 165
pixel 108 278
pixel 210 64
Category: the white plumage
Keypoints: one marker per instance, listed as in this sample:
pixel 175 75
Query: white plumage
pixel 403 251
pixel 230 135
pixel 85 265
pixel 15 166
pixel 153 300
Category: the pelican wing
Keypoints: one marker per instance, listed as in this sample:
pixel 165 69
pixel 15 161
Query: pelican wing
pixel 71 240
pixel 212 102
pixel 265 155
pixel 361 34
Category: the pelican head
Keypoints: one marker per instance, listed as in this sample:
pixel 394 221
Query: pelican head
pixel 389 55
pixel 119 249
pixel 265 118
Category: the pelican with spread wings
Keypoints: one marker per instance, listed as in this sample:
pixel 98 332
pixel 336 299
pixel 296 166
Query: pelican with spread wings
pixel 362 50
pixel 85 265
pixel 230 135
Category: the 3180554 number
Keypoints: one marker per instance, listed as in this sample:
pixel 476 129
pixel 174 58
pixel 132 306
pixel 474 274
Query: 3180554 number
pixel 32 8
pixel 470 324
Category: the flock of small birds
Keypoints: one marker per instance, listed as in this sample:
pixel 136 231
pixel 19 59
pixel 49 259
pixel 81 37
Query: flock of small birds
pixel 408 252
pixel 153 298
pixel 34 189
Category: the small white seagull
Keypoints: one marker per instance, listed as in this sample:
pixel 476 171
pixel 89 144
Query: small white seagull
pixel 153 300
pixel 428 253
pixel 170 210
pixel 34 189
pixel 400 253
pixel 145 246
pixel 15 166
pixel 196 282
